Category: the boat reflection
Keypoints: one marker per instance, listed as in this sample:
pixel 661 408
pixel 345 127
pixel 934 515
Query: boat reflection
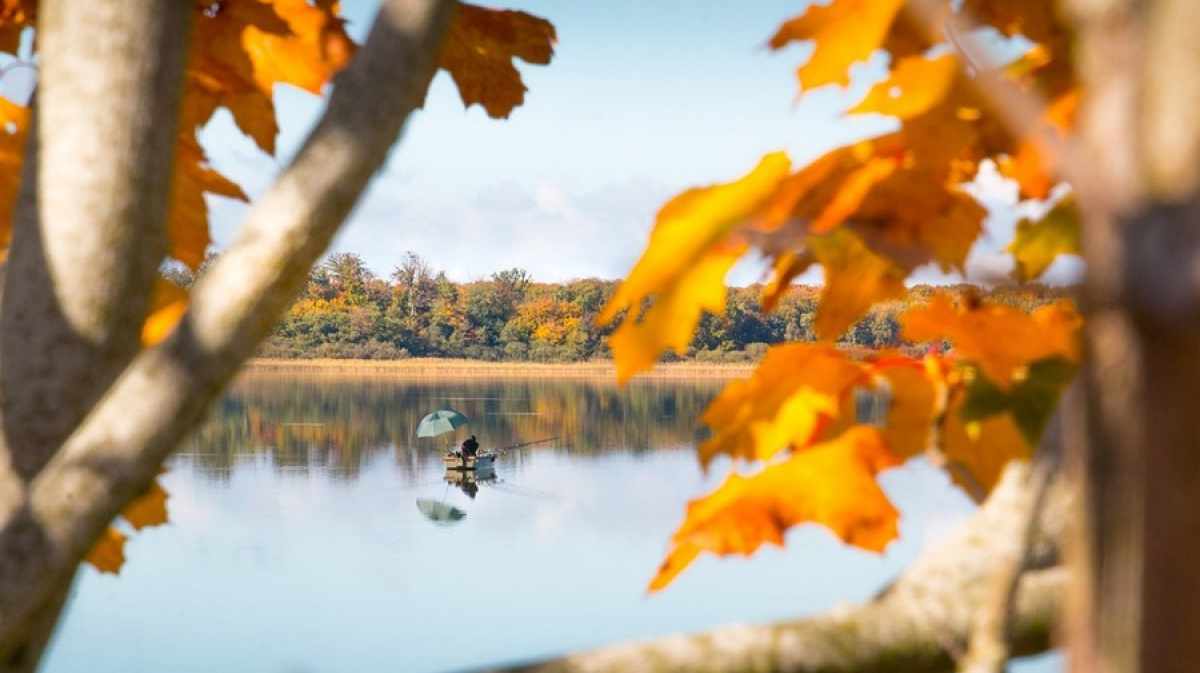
pixel 469 480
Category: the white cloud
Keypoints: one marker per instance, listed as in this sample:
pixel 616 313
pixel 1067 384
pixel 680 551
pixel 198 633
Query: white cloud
pixel 553 232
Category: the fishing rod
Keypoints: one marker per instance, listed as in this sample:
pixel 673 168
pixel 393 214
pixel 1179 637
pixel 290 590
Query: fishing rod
pixel 524 444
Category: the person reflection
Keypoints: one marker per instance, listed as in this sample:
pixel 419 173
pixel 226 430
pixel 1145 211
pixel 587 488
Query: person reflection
pixel 470 488
pixel 464 480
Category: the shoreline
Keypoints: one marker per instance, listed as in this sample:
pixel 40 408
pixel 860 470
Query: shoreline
pixel 441 367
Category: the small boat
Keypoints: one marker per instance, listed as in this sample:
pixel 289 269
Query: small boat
pixel 485 460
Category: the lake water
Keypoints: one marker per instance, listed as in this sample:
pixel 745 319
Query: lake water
pixel 296 542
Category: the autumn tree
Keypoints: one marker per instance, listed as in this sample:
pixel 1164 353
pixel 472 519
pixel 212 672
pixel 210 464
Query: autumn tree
pixel 103 367
pixel 1089 108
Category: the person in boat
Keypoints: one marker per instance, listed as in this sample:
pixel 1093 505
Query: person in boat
pixel 470 448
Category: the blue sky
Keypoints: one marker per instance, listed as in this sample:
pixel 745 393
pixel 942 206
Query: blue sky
pixel 642 100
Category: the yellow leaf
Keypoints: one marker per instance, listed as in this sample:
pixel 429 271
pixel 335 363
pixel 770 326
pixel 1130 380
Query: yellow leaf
pixel 1036 245
pixel 108 552
pixel 793 392
pixel 851 192
pixel 914 86
pixel 167 305
pixel 845 32
pixel 998 338
pixel 787 267
pixel 903 390
pixel 855 278
pixel 912 404
pixel 671 320
pixel 480 49
pixel 148 509
pixel 684 266
pixel 1031 165
pixel 976 459
pixel 832 484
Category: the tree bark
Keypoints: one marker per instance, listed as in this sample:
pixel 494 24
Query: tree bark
pixel 920 623
pixel 51 509
pixel 89 232
pixel 1134 449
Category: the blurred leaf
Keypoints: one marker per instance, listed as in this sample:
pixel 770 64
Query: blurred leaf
pixel 791 394
pixel 167 305
pixel 148 509
pixel 999 339
pixel 108 553
pixel 832 484
pixel 684 267
pixel 1036 245
pixel 1030 401
pixel 845 32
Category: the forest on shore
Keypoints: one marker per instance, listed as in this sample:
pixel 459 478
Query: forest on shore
pixel 347 312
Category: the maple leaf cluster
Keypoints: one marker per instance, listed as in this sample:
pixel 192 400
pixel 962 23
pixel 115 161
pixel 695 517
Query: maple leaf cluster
pixel 869 214
pixel 240 51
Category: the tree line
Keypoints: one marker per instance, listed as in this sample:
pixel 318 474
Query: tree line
pixel 347 311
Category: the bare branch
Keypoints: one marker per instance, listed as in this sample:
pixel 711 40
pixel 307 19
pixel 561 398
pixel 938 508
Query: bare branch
pixel 914 625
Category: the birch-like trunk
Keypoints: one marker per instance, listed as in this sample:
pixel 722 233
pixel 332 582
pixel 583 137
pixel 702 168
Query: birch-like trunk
pixel 87 416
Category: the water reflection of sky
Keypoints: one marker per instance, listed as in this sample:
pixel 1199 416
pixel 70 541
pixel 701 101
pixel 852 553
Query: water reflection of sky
pixel 300 568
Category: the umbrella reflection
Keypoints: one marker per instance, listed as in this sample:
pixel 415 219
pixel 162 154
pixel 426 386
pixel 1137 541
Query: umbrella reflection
pixel 441 513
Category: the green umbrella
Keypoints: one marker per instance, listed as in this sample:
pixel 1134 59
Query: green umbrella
pixel 440 422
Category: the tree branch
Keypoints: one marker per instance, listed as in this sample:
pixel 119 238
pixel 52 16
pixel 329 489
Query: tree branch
pixel 115 453
pixel 911 626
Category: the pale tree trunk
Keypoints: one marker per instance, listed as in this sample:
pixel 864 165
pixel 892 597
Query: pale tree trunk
pixel 923 623
pixel 87 417
pixel 1136 443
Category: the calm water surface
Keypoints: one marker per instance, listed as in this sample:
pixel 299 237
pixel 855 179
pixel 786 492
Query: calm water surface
pixel 296 543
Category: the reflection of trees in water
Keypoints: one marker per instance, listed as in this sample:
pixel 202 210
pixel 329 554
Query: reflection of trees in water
pixel 334 424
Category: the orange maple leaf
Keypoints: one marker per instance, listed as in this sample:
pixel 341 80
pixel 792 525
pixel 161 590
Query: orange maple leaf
pixel 913 87
pixel 684 266
pixel 1001 340
pixel 168 302
pixel 792 393
pixel 855 279
pixel 1032 166
pixel 148 509
pixel 479 51
pixel 845 31
pixel 14 123
pixel 187 220
pixel 243 48
pixel 902 388
pixel 108 552
pixel 975 453
pixel 832 484
pixel 15 17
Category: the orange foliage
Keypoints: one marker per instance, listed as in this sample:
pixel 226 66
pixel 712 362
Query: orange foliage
pixel 108 552
pixel 832 484
pixel 869 214
pixel 479 52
